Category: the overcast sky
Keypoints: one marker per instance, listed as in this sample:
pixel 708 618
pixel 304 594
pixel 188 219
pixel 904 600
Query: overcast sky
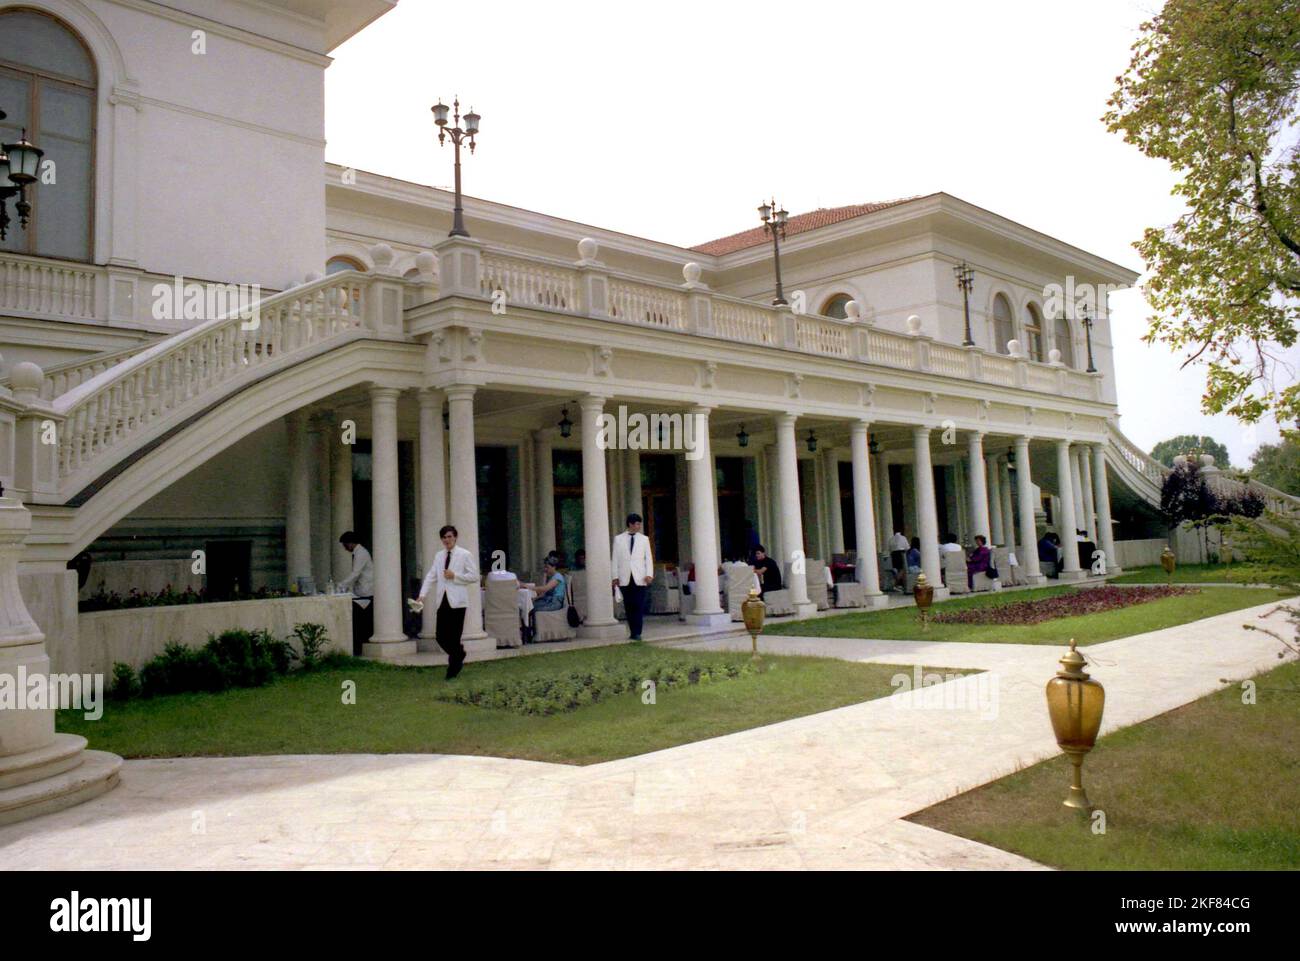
pixel 671 120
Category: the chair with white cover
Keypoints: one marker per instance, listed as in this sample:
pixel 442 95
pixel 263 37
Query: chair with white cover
pixel 779 603
pixel 850 594
pixel 579 581
pixel 663 596
pixel 815 579
pixel 1002 563
pixel 740 579
pixel 954 572
pixel 501 611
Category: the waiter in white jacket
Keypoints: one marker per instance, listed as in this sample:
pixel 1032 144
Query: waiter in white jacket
pixel 633 570
pixel 453 575
pixel 361 585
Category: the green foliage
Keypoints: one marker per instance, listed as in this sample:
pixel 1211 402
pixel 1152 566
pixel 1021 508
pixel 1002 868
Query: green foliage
pixel 312 638
pixel 125 683
pixel 1167 450
pixel 1186 498
pixel 560 693
pixel 1278 465
pixel 104 600
pixel 234 658
pixel 1211 89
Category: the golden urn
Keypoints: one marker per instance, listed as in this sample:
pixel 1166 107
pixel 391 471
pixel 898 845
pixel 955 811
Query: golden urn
pixel 923 594
pixel 1075 703
pixel 1168 560
pixel 753 610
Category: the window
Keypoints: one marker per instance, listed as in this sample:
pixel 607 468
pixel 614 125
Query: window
pixel 1063 341
pixel 336 265
pixel 1003 329
pixel 1033 333
pixel 835 307
pixel 47 85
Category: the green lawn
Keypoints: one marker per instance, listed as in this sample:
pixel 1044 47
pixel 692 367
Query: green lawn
pixel 901 623
pixel 1213 785
pixel 395 711
pixel 1244 573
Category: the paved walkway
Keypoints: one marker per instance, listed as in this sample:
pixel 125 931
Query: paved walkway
pixel 824 791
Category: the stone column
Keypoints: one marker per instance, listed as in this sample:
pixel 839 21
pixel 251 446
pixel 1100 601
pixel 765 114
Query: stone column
pixel 704 509
pixel 773 539
pixel 886 500
pixel 632 482
pixel 1066 524
pixel 926 513
pixel 864 517
pixel 297 518
pixel 433 495
pixel 791 520
pixel 545 471
pixel 462 504
pixel 1028 527
pixel 834 512
pixel 1008 513
pixel 320 430
pixel 40 771
pixel 600 621
pixel 341 510
pixel 1101 495
pixel 1089 523
pixel 717 515
pixel 979 491
pixel 997 527
pixel 1076 486
pixel 389 639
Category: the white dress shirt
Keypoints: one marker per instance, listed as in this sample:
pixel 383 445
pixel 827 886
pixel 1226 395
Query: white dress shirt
pixel 899 542
pixel 361 582
pixel 462 573
pixel 631 559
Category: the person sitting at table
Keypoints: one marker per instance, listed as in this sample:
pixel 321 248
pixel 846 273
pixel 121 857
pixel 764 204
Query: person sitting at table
pixel 550 593
pixel 768 571
pixel 1049 554
pixel 914 557
pixel 950 544
pixel 979 560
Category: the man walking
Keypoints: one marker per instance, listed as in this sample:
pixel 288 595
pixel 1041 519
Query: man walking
pixel 361 583
pixel 453 575
pixel 633 569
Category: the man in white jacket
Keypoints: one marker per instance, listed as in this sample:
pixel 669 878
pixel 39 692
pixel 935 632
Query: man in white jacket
pixel 453 575
pixel 633 569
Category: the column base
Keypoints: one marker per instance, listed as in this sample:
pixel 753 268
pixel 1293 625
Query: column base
pixel 1071 576
pixel 877 600
pixel 942 593
pixel 805 608
pixel 613 631
pixel 482 644
pixel 386 650
pixel 1033 579
pixel 720 619
pixel 70 775
pixel 1110 571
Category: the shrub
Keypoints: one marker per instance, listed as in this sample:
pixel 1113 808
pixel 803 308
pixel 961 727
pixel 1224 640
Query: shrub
pixel 125 683
pixel 179 669
pixel 312 638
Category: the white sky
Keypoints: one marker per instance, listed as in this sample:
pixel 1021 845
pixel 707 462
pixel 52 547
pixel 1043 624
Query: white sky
pixel 672 120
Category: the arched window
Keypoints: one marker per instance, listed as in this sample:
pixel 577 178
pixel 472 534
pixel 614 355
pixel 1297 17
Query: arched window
pixel 47 86
pixel 336 265
pixel 1003 329
pixel 1062 340
pixel 835 306
pixel 1033 333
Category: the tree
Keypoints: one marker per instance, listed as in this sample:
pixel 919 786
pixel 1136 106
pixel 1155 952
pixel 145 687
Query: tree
pixel 1167 450
pixel 1212 89
pixel 1278 465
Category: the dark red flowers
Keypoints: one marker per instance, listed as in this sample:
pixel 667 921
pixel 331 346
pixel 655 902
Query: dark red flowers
pixel 1089 600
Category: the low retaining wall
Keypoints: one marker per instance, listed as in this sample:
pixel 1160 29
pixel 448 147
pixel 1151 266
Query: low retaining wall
pixel 136 635
pixel 1188 547
pixel 146 576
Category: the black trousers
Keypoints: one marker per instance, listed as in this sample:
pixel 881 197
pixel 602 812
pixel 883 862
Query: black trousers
pixel 450 625
pixel 633 606
pixel 363 624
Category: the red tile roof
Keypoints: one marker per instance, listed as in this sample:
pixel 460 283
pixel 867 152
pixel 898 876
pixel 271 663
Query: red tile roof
pixel 796 224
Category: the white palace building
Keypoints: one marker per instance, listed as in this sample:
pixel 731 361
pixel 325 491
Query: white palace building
pixel 142 426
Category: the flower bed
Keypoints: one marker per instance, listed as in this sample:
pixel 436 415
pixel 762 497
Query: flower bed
pixel 560 693
pixel 103 600
pixel 1076 603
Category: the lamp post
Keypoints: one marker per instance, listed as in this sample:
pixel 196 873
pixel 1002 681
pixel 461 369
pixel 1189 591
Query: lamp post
pixel 1169 561
pixel 923 594
pixel 1075 703
pixel 1087 334
pixel 457 137
pixel 20 162
pixel 774 224
pixel 966 281
pixel 753 610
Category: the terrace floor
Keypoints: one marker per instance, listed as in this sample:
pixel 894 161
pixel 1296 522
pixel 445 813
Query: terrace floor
pixel 824 791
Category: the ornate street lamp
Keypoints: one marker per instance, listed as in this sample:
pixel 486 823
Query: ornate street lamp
pixel 753 610
pixel 566 425
pixel 873 446
pixel 457 137
pixel 966 281
pixel 774 224
pixel 1075 703
pixel 1087 333
pixel 812 442
pixel 923 594
pixel 20 163
pixel 742 438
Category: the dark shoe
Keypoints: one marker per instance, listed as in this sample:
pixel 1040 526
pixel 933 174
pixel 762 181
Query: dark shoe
pixel 454 666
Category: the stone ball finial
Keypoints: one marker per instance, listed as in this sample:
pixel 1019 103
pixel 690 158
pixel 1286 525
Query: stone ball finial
pixel 691 272
pixel 1180 460
pixel 382 256
pixel 312 276
pixel 587 249
pixel 914 324
pixel 1013 348
pixel 26 376
pixel 1054 356
pixel 425 262
pixel 853 311
pixel 1207 460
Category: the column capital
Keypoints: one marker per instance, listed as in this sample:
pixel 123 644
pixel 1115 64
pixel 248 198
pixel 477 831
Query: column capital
pixel 785 419
pixel 978 435
pixel 379 393
pixel 860 426
pixel 429 396
pixel 460 391
pixel 705 409
pixel 921 431
pixel 592 401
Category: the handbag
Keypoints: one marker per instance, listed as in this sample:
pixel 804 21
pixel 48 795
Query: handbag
pixel 572 613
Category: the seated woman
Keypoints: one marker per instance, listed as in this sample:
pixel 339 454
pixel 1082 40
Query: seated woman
pixel 914 557
pixel 979 561
pixel 550 593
